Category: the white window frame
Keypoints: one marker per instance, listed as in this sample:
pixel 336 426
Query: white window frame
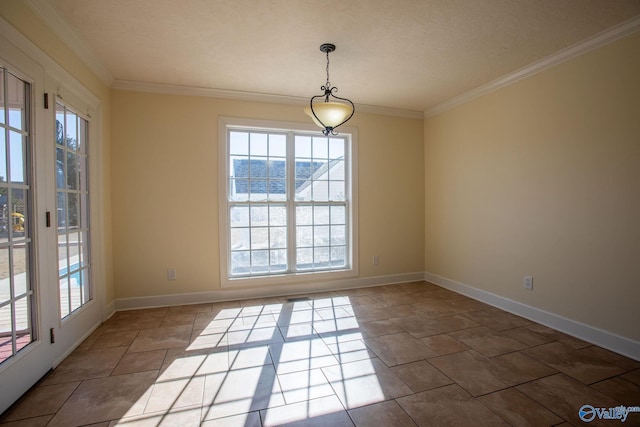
pixel 351 173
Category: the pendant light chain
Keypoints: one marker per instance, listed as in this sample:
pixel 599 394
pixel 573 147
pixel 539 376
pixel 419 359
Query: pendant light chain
pixel 328 82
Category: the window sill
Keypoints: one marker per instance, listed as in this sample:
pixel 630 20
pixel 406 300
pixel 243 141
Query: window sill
pixel 289 278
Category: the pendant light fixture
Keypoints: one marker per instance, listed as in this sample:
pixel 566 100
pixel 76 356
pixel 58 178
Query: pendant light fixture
pixel 332 111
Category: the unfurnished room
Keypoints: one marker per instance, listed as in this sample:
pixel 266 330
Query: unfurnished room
pixel 319 213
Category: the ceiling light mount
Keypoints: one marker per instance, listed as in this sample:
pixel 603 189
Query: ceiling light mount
pixel 333 111
pixel 327 47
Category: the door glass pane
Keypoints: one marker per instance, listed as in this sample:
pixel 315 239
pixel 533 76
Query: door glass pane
pixel 71 131
pixel 6 333
pixel 86 291
pixel 73 210
pixel 72 171
pixel 19 214
pixel 74 283
pixel 20 272
pixel 17 156
pixel 22 319
pixel 3 156
pixel 16 102
pixel 5 290
pixel 16 294
pixel 64 297
pixel 2 101
pixel 83 247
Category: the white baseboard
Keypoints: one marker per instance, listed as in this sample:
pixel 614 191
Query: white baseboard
pixel 230 294
pixel 108 310
pixel 602 338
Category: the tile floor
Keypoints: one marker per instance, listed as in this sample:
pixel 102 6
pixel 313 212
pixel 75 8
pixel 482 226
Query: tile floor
pixel 399 355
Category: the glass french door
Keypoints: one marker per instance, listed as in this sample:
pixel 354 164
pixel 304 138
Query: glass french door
pixel 16 290
pixel 47 301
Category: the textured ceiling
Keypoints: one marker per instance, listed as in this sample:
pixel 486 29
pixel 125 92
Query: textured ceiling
pixel 405 54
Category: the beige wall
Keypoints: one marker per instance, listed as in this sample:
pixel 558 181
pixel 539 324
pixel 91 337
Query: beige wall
pixel 543 178
pixel 22 18
pixel 165 181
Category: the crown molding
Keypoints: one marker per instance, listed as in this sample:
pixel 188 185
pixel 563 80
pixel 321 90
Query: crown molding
pixel 56 23
pixel 603 38
pixel 169 89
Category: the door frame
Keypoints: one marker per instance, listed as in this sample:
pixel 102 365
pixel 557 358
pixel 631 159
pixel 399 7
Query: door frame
pixel 73 329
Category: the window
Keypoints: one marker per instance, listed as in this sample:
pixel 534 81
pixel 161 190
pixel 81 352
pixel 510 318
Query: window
pixel 72 202
pixel 288 201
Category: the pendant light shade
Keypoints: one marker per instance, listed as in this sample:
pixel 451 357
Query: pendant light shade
pixel 328 110
pixel 330 114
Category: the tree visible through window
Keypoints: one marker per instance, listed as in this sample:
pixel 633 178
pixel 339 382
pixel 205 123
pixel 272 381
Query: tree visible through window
pixel 288 202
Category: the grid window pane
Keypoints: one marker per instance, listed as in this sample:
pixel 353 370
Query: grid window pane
pixel 240 216
pixel 278 238
pixel 321 257
pixel 259 215
pixel 240 262
pixel 321 215
pixel 338 215
pixel 336 173
pixel 304 258
pixel 277 215
pixel 277 145
pixel 259 237
pixel 304 236
pixel 338 256
pixel 338 235
pixel 336 191
pixel 258 144
pixel 304 215
pixel 336 148
pixel 278 260
pixel 320 148
pixel 321 235
pixel 239 143
pixel 240 238
pixel 259 260
pixel 303 147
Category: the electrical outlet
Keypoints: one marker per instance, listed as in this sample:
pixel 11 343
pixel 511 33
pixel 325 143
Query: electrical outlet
pixel 376 260
pixel 171 274
pixel 527 282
